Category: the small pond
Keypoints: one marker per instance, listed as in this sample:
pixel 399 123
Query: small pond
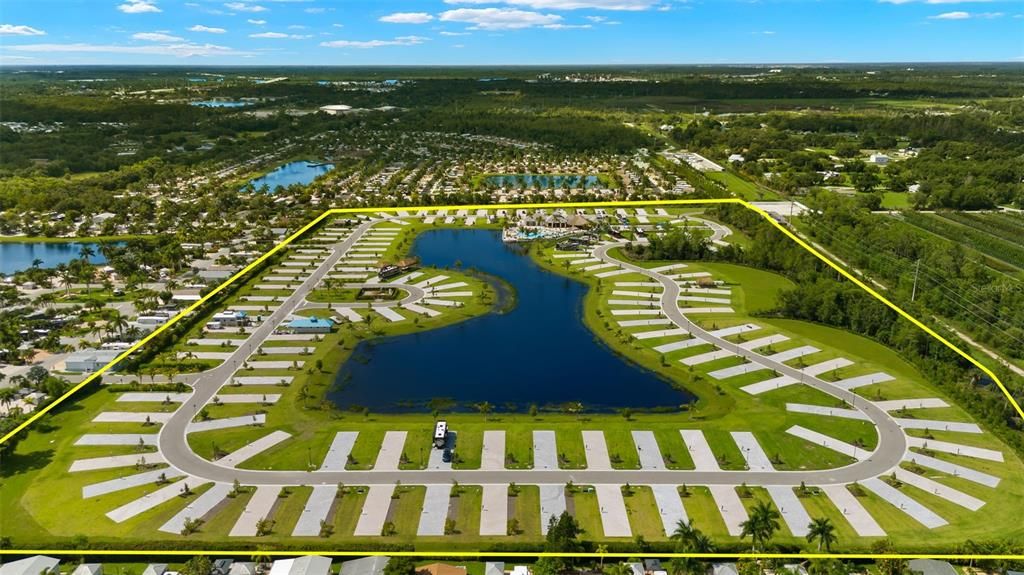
pixel 301 172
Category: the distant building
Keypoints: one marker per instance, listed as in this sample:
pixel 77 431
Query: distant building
pixel 494 568
pixel 35 565
pixel 878 159
pixel 335 109
pixel 366 566
pixel 89 360
pixel 733 158
pixel 310 325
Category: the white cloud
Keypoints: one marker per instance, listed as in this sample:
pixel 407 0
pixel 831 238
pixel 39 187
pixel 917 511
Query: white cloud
pixel 280 35
pixel 596 19
pixel 447 33
pixel 567 26
pixel 631 5
pixel 338 25
pixel 184 50
pixel 959 15
pixel 256 22
pixel 139 7
pixel 296 27
pixel 156 37
pixel 407 18
pixel 499 18
pixel 315 10
pixel 12 30
pixel 244 7
pixel 399 41
pixel 207 29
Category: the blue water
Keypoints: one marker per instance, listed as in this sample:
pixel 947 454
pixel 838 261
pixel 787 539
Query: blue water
pixel 16 257
pixel 545 181
pixel 540 352
pixel 291 173
pixel 219 104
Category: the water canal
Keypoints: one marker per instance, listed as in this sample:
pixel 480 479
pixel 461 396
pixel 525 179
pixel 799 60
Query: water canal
pixel 540 352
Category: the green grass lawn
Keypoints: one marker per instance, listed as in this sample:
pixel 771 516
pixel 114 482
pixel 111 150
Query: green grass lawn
pixel 37 494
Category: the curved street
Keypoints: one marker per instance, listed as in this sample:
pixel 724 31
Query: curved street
pixel 173 444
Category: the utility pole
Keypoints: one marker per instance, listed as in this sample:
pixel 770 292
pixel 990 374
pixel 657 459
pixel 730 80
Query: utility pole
pixel 917 271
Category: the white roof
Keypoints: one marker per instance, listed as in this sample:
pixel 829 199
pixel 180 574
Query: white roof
pixel 34 565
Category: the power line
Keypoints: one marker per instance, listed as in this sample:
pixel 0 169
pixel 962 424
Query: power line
pixel 993 321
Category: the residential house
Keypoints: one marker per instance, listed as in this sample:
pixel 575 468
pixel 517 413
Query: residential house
pixel 931 567
pixel 89 360
pixel 155 569
pixel 35 565
pixel 231 318
pixel 310 325
pixel 366 566
pixel 305 565
pixel 440 569
pixel 88 569
pixel 724 569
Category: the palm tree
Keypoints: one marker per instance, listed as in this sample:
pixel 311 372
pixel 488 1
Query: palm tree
pixel 821 530
pixel 601 550
pixel 761 525
pixel 7 395
pixel 47 299
pixel 66 278
pixel 85 253
pixel 689 539
pixel 117 322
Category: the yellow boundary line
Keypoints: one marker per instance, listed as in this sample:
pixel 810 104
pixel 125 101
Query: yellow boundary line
pixel 340 211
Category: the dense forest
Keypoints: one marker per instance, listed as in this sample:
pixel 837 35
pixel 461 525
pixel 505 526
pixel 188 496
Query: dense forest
pixel 950 283
pixel 963 160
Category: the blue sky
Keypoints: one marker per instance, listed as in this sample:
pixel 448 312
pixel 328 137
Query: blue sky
pixel 424 32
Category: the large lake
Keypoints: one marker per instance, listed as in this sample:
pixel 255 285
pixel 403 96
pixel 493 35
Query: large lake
pixel 540 352
pixel 19 256
pixel 301 172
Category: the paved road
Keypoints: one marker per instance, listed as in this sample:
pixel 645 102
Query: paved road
pixel 718 231
pixel 174 447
